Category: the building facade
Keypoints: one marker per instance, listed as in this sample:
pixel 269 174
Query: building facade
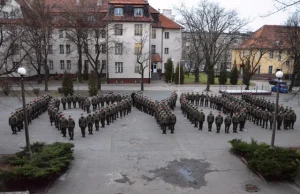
pixel 132 30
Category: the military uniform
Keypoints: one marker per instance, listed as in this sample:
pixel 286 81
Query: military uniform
pixel 90 122
pixel 71 126
pixel 227 123
pixel 13 121
pixel 82 124
pixel 219 122
pixel 210 120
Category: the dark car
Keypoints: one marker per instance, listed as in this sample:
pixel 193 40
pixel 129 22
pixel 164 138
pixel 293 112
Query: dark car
pixel 283 88
pixel 275 82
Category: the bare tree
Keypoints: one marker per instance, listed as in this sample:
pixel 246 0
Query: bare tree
pixel 38 35
pixel 214 29
pixel 142 56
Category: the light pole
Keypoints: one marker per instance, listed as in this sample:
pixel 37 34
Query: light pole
pixel 279 75
pixel 22 72
pixel 172 72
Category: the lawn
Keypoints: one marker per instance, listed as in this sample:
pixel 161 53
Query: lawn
pixel 203 79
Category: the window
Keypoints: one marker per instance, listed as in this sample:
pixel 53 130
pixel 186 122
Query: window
pixel 279 55
pixel 236 41
pixel 270 70
pixel 138 29
pixel 243 53
pixel 61 49
pixel 271 54
pixel 138 12
pixel 103 48
pixel 15 49
pixel 68 35
pixel 97 49
pixel 15 64
pixel 153 33
pixel 137 49
pixel 5 14
pixel 260 53
pixel 61 33
pixel 153 49
pixel 98 64
pixel 68 49
pixel 137 68
pixel 91 18
pixel 12 14
pixel 68 64
pixel 62 64
pixel 50 64
pixel 287 63
pixel 50 50
pixel 86 65
pixel 166 50
pixel 167 35
pixel 118 11
pixel 118 67
pixel 119 29
pixel 103 33
pixel 118 48
pixel 104 64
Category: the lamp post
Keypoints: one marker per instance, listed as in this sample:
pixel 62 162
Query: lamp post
pixel 22 72
pixel 279 75
pixel 172 72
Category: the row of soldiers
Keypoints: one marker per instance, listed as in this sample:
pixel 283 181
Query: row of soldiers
pixel 197 117
pixel 161 110
pixel 261 111
pixel 198 99
pixel 84 102
pixel 33 110
pixel 108 114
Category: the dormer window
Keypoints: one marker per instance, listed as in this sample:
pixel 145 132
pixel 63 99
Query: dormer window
pixel 118 11
pixel 91 18
pixel 138 12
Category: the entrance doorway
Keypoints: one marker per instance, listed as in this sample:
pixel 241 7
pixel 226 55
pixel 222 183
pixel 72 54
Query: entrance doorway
pixel 154 67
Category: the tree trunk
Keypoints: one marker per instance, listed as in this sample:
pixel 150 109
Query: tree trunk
pixel 142 81
pixel 79 64
pixel 46 79
pixel 292 81
pixel 99 80
pixel 197 75
pixel 209 78
pixel 39 76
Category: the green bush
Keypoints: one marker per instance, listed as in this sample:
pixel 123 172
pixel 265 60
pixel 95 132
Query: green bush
pixel 234 75
pixel 67 84
pixel 176 75
pixel 169 71
pixel 223 75
pixel 47 163
pixel 272 163
pixel 93 84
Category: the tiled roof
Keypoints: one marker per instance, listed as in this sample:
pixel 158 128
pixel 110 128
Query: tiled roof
pixel 168 23
pixel 156 58
pixel 152 10
pixel 131 2
pixel 268 37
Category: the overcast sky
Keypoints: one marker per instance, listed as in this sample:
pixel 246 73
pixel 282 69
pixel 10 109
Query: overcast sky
pixel 249 9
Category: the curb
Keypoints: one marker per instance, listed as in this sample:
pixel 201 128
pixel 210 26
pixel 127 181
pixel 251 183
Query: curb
pixel 258 174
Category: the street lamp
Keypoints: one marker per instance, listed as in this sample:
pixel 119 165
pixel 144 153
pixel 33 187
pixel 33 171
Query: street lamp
pixel 22 72
pixel 279 75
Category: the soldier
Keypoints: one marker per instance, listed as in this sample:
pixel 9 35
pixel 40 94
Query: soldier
pixel 63 101
pixel 265 117
pixel 96 120
pixel 90 122
pixel 279 120
pixel 271 119
pixel 13 121
pixel 210 120
pixel 202 99
pixel 102 117
pixel 242 119
pixel 172 123
pixel 87 104
pixel 69 100
pixel 74 99
pixel 78 100
pixel 227 123
pixel 101 100
pixel 201 119
pixel 235 121
pixel 197 98
pixel 82 124
pixel 164 122
pixel 71 126
pixel 294 118
pixel 286 120
pixel 206 100
pixel 192 98
pixel 219 122
pixel 108 112
pixel 94 103
pixel 63 125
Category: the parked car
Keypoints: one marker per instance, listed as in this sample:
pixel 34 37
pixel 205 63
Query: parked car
pixel 283 88
pixel 275 82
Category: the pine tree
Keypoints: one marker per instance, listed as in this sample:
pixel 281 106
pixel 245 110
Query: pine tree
pixel 169 70
pixel 67 84
pixel 234 75
pixel 93 84
pixel 223 75
pixel 176 75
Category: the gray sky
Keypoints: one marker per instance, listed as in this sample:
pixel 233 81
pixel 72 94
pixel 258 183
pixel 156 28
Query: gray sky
pixel 248 9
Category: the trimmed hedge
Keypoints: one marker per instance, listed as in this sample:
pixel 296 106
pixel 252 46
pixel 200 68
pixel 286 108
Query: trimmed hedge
pixel 272 163
pixel 48 162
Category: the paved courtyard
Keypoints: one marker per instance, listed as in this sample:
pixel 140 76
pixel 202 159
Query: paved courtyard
pixel 132 156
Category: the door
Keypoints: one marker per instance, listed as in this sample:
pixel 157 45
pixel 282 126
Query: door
pixel 154 67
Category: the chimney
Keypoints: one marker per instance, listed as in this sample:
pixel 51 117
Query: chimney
pixel 99 2
pixel 77 2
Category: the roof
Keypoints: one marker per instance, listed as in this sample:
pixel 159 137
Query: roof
pixel 168 23
pixel 156 58
pixel 152 10
pixel 268 37
pixel 131 2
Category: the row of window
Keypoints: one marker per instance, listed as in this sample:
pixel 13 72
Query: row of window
pixel 66 34
pixel 153 49
pixel 69 65
pixel 119 67
pixel 138 12
pixel 271 54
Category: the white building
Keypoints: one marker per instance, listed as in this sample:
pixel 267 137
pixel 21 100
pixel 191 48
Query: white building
pixel 126 24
